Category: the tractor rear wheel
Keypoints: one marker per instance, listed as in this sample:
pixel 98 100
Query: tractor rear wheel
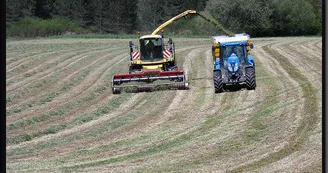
pixel 218 84
pixel 250 78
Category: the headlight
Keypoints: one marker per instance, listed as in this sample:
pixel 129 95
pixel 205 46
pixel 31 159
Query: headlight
pixel 233 67
pixel 236 66
pixel 229 67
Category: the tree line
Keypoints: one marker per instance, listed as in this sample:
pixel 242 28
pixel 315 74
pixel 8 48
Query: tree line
pixel 256 17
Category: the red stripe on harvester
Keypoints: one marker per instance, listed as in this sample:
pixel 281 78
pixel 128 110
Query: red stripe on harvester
pixel 166 53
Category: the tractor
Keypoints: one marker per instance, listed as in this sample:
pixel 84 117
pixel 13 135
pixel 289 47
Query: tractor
pixel 233 64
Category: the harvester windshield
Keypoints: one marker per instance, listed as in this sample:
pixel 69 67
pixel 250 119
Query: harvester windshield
pixel 151 49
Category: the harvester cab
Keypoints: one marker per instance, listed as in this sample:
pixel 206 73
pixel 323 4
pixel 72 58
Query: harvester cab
pixel 233 64
pixel 153 55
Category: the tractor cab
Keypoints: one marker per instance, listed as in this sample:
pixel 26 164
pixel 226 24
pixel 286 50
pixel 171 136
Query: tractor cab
pixel 233 55
pixel 151 48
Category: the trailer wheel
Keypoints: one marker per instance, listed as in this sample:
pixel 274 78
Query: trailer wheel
pixel 250 78
pixel 218 84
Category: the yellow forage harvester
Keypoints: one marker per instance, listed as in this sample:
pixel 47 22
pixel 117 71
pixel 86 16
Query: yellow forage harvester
pixel 152 64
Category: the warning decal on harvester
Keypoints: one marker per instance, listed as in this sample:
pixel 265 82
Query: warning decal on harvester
pixel 135 55
pixel 166 53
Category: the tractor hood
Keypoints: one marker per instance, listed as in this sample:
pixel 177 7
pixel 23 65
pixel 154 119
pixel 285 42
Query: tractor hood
pixel 233 63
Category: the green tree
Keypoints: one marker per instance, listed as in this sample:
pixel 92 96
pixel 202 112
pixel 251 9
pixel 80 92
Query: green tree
pixel 121 16
pixel 317 5
pixel 293 18
pixel 17 9
pixel 251 16
pixel 152 14
pixel 43 9
pixel 73 9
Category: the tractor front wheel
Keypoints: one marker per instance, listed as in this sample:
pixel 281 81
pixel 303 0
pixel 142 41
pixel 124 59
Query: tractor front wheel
pixel 250 78
pixel 218 84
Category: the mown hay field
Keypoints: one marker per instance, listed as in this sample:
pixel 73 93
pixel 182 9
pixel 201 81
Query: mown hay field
pixel 62 117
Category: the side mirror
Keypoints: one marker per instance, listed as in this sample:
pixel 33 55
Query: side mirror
pixel 131 46
pixel 251 45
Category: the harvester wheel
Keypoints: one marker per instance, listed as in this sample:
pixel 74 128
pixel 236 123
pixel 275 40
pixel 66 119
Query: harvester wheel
pixel 116 90
pixel 172 68
pixel 250 78
pixel 131 70
pixel 218 84
pixel 186 84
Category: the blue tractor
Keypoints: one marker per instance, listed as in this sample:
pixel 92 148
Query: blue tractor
pixel 233 64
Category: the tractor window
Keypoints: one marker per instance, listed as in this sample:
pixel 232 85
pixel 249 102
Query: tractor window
pixel 239 50
pixel 226 52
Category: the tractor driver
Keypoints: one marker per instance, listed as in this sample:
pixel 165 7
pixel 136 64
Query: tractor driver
pixel 237 50
pixel 233 50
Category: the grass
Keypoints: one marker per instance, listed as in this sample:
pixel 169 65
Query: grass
pixel 64 109
pixel 155 134
pixel 60 112
pixel 48 81
pixel 306 124
pixel 154 149
pixel 211 123
pixel 256 130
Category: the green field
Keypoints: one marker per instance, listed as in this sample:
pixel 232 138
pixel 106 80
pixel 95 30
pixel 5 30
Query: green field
pixel 61 115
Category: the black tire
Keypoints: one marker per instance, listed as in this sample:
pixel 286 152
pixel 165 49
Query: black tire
pixel 172 68
pixel 131 70
pixel 218 84
pixel 116 90
pixel 250 78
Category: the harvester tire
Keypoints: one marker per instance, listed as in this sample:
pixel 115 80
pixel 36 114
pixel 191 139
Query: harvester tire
pixel 250 78
pixel 116 90
pixel 131 70
pixel 218 84
pixel 186 84
pixel 172 68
